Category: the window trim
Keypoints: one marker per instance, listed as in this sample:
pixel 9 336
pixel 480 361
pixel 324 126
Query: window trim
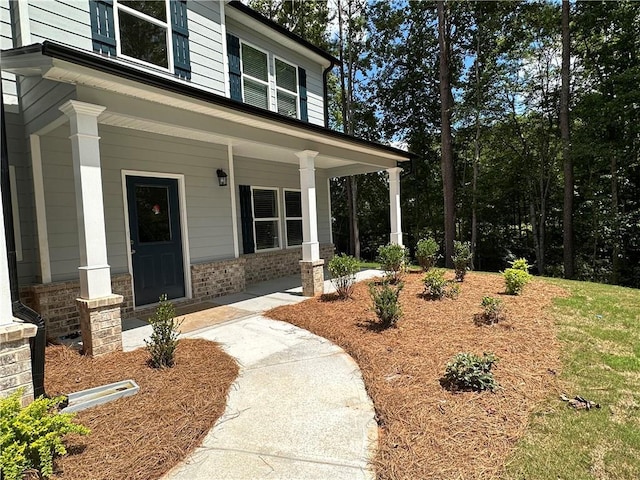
pixel 143 16
pixel 254 79
pixel 297 92
pixel 269 219
pixel 284 212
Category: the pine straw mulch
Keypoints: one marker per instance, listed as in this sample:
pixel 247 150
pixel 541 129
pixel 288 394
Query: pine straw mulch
pixel 145 435
pixel 425 430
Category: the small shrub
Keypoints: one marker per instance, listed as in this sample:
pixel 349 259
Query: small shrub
pixel 493 309
pixel 392 259
pixel 31 437
pixel 461 258
pixel 427 253
pixel 467 371
pixel 386 303
pixel 436 287
pixel 516 277
pixel 164 337
pixel 343 269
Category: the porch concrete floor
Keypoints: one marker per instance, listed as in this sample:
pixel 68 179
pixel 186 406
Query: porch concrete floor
pixel 298 409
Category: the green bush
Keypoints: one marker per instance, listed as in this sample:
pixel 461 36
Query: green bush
pixel 164 337
pixel 516 277
pixel 386 303
pixel 467 371
pixel 493 308
pixel 461 259
pixel 436 287
pixel 31 437
pixel 427 253
pixel 343 269
pixel 392 259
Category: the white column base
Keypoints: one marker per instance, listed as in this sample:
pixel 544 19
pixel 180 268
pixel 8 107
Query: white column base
pixel 310 251
pixel 396 238
pixel 95 281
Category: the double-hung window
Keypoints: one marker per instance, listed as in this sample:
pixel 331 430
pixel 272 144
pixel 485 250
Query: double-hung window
pixel 266 218
pixel 255 76
pixel 144 32
pixel 286 88
pixel 293 217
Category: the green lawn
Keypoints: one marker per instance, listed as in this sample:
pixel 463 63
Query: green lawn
pixel 599 327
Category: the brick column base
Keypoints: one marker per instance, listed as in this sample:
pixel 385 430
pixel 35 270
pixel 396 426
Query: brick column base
pixel 312 277
pixel 15 360
pixel 100 325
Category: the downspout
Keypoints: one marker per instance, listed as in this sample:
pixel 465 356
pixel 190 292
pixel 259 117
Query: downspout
pixel 20 310
pixel 325 92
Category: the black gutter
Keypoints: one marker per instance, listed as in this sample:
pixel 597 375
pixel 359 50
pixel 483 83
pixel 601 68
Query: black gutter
pixel 283 31
pixel 19 310
pixel 120 69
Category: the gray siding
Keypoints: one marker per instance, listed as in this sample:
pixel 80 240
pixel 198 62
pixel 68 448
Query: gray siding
pixel 205 45
pixel 18 158
pixel 6 41
pixel 64 21
pixel 261 173
pixel 314 70
pixel 40 99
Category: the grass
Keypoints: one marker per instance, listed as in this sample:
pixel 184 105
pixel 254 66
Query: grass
pixel 599 329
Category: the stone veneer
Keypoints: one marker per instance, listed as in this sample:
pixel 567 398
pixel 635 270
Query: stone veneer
pixel 312 278
pixel 264 266
pixel 15 360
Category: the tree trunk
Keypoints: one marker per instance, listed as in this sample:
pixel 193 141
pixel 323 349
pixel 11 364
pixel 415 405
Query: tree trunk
pixel 448 174
pixel 567 235
pixel 615 253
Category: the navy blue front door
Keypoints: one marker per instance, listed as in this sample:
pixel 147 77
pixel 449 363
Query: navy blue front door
pixel 156 238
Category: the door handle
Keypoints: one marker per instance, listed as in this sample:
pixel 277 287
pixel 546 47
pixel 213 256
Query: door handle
pixel 132 251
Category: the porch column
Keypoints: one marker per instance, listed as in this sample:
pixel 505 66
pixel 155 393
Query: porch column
pixel 394 205
pixel 99 308
pixel 311 265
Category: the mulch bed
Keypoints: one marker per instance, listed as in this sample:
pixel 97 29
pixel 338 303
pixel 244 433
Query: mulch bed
pixel 425 430
pixel 143 436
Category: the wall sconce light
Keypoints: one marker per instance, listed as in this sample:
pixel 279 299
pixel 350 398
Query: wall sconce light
pixel 222 177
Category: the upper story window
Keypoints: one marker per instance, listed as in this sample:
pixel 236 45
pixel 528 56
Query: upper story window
pixel 255 76
pixel 143 31
pixel 151 32
pixel 251 82
pixel 286 88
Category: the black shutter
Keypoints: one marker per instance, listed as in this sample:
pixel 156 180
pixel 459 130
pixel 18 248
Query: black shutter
pixel 246 219
pixel 102 26
pixel 180 35
pixel 302 89
pixel 235 75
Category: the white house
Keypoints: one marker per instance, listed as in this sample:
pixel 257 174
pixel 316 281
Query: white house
pixel 171 147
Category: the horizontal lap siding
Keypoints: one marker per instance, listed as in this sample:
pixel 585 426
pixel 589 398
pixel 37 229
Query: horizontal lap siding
pixel 314 71
pixel 67 22
pixel 262 173
pixel 205 45
pixel 40 100
pixel 6 41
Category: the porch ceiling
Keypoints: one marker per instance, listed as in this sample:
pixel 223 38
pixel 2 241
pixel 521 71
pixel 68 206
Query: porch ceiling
pixel 176 108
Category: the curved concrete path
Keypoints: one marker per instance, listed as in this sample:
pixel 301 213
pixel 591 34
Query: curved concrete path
pixel 298 409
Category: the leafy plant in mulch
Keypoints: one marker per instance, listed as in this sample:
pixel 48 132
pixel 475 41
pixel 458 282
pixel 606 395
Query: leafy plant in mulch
pixel 393 260
pixel 343 269
pixel 436 287
pixel 31 437
pixel 386 302
pixel 427 253
pixel 461 259
pixel 516 277
pixel 493 310
pixel 470 372
pixel 164 336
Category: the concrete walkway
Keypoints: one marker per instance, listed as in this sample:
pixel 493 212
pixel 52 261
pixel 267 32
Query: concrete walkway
pixel 298 409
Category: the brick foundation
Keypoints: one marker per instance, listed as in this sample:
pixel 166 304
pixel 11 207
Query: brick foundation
pixel 15 360
pixel 101 326
pixel 264 266
pixel 312 278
